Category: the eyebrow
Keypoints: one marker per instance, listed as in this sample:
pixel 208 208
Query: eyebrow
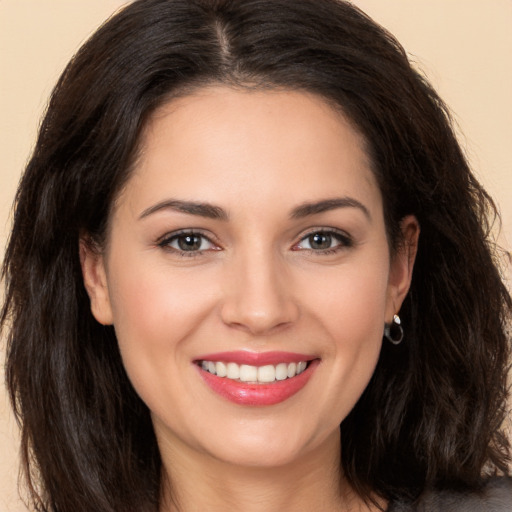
pixel 190 207
pixel 325 205
pixel 211 211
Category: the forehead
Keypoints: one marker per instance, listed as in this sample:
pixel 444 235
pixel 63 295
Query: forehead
pixel 225 143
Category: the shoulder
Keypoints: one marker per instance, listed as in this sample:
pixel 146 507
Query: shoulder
pixel 494 496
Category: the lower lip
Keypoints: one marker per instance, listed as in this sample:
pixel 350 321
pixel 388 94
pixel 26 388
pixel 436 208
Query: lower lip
pixel 243 393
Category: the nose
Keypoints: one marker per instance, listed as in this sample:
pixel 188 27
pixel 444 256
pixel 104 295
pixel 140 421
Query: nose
pixel 259 295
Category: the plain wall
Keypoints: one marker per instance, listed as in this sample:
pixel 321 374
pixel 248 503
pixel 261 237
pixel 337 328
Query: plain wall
pixel 463 46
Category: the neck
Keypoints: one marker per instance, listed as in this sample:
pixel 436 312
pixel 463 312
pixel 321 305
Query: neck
pixel 195 481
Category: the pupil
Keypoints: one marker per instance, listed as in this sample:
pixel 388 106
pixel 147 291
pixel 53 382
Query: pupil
pixel 320 241
pixel 189 242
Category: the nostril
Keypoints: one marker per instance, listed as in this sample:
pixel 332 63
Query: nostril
pixel 242 315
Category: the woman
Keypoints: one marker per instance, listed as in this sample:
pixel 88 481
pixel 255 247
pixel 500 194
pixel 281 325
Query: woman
pixel 210 275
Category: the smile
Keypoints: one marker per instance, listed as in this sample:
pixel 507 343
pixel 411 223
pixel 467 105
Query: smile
pixel 254 374
pixel 256 379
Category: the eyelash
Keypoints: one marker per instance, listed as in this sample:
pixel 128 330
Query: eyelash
pixel 166 241
pixel 343 239
pixel 344 242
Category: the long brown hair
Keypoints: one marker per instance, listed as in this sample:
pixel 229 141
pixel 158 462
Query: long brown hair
pixel 432 413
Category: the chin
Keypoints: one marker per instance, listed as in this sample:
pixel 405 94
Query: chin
pixel 271 447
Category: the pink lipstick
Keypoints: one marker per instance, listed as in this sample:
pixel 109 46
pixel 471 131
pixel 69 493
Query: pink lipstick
pixel 257 379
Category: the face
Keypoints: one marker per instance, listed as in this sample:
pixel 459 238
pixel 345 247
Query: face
pixel 248 275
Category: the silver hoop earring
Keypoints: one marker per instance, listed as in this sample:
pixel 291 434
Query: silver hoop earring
pixel 394 331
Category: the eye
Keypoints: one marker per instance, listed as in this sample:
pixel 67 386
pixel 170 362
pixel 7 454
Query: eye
pixel 187 242
pixel 323 241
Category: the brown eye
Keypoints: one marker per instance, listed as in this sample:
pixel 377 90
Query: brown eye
pixel 189 242
pixel 324 241
pixel 320 241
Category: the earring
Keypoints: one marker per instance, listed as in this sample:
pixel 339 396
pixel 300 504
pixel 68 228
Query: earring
pixel 394 331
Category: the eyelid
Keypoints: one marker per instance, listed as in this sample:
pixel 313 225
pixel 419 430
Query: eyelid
pixel 165 240
pixel 343 237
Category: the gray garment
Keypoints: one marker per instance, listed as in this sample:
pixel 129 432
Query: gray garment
pixel 496 496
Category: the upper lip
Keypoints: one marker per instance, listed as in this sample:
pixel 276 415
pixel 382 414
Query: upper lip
pixel 256 358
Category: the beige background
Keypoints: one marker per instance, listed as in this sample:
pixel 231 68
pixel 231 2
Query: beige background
pixel 463 46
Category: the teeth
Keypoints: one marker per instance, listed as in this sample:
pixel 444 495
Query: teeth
pixel 282 371
pixel 292 370
pixel 247 373
pixel 233 371
pixel 221 369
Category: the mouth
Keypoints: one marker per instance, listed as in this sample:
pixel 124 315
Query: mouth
pixel 254 374
pixel 246 378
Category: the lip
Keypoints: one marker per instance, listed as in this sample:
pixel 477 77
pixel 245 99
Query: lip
pixel 249 394
pixel 256 358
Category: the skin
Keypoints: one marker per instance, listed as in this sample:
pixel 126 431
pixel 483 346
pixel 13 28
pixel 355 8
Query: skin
pixel 257 284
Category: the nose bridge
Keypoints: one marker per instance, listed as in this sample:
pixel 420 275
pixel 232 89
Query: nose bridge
pixel 258 294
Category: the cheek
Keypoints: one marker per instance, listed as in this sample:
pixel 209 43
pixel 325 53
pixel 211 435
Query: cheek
pixel 152 301
pixel 352 299
pixel 351 311
pixel 155 314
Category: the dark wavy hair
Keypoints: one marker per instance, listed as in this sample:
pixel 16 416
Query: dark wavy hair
pixel 432 413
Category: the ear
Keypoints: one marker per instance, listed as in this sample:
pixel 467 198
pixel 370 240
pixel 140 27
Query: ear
pixel 94 274
pixel 401 266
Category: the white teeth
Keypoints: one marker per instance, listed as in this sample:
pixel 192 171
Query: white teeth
pixel 248 373
pixel 281 371
pixel 266 373
pixel 220 369
pixel 233 371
